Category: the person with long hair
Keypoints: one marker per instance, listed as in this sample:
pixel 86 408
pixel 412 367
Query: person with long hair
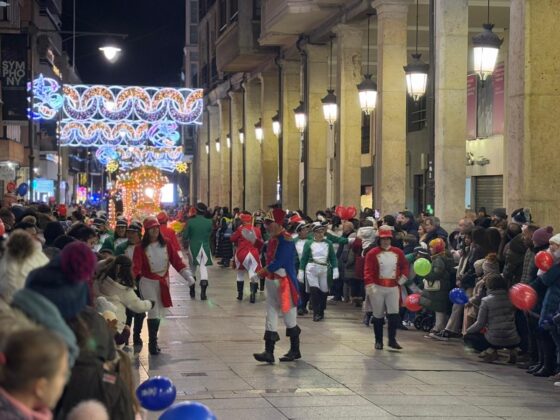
pixel 151 262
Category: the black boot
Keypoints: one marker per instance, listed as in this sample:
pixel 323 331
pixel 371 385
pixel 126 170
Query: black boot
pixel 192 291
pixel 128 322
pixel 315 298
pixel 378 332
pixel 261 284
pixel 549 357
pixel 294 352
pixel 270 337
pixel 540 355
pixel 153 327
pixel 254 287
pixel 323 302
pixel 203 287
pixel 240 285
pixel 393 325
pixel 138 321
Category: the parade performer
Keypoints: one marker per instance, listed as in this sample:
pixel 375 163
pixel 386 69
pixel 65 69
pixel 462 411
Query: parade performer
pixel 117 238
pixel 385 268
pixel 281 291
pixel 301 236
pixel 151 261
pixel 248 241
pixel 168 233
pixel 100 224
pixel 197 234
pixel 317 257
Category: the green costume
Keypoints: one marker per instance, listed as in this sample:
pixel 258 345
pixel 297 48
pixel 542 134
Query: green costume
pixel 197 234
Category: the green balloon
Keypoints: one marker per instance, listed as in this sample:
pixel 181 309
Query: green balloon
pixel 422 267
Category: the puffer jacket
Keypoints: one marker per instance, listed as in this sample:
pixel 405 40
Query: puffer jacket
pixel 437 300
pixel 551 302
pixel 122 297
pixel 498 315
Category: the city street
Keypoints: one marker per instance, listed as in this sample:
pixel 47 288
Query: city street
pixel 207 352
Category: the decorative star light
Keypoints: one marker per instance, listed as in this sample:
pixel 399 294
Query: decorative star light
pixel 181 167
pixel 112 166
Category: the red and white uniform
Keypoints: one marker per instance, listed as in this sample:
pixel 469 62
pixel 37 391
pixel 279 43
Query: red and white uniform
pixel 170 236
pixel 247 256
pixel 384 269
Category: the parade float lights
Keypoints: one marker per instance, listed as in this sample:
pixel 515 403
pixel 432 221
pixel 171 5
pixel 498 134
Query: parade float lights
pixel 141 191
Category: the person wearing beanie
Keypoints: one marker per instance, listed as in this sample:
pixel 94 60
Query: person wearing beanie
pixel 168 233
pixel 151 262
pixel 282 294
pixel 248 242
pixel 116 238
pixel 52 231
pixel 197 234
pixel 317 257
pixel 66 279
pixel 385 268
pixel 22 255
pixel 90 409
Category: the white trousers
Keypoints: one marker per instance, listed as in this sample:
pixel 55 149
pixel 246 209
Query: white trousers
pixel 201 271
pixel 249 265
pixel 383 298
pixel 273 310
pixel 150 289
pixel 316 276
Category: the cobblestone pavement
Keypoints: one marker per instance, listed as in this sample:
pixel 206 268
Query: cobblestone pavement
pixel 207 351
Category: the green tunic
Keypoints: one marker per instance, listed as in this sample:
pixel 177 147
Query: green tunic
pixel 307 257
pixel 197 234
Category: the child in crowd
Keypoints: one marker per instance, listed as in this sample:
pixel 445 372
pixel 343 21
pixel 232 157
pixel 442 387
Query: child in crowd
pixel 33 372
pixel 496 317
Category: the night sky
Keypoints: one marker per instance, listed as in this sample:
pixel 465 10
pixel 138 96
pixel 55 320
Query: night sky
pixel 153 52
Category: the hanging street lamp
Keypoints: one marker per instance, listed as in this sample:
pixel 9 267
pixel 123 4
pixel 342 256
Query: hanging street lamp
pixel 301 118
pixel 276 128
pixel 228 141
pixel 416 71
pixel 259 134
pixel 218 145
pixel 330 107
pixel 241 136
pixel 367 90
pixel 486 46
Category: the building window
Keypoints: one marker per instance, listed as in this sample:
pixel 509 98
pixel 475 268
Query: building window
pixel 222 11
pixel 194 12
pixel 365 134
pixel 415 113
pixel 233 9
pixel 4 13
pixel 257 9
pixel 193 34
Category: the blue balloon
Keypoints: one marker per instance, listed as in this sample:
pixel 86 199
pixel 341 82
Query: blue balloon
pixel 156 393
pixel 22 189
pixel 188 410
pixel 458 296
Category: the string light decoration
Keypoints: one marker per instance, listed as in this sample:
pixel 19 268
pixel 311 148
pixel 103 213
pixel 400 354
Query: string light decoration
pixel 181 167
pixel 141 191
pixel 112 166
pixel 116 103
pixel 128 158
pixel 112 216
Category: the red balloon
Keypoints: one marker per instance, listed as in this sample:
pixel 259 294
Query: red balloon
pixel 350 213
pixel 412 302
pixel 2 228
pixel 543 260
pixel 523 296
pixel 11 186
pixel 339 211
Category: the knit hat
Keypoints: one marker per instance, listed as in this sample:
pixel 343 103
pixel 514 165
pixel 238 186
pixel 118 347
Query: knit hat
pixel 555 239
pixel 367 234
pixel 542 235
pixel 518 216
pixel 162 217
pixel 41 311
pixel 437 245
pixel 64 280
pixel 150 222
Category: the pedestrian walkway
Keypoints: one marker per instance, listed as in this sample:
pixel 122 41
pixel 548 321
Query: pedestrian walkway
pixel 207 349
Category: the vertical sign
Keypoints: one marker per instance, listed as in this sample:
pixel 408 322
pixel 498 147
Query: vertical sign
pixel 498 100
pixel 472 83
pixel 13 76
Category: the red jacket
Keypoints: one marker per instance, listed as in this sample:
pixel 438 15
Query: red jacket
pixel 385 267
pixel 170 236
pixel 242 243
pixel 141 267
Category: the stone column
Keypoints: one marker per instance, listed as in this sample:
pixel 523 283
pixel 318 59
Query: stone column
pixel 531 143
pixel 317 151
pixel 390 145
pixel 253 169
pixel 224 105
pixel 237 148
pixel 349 43
pixel 451 49
pixel 215 157
pixel 202 160
pixel 269 107
pixel 291 136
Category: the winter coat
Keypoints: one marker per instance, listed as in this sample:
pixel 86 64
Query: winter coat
pixel 437 300
pixel 352 268
pixel 535 282
pixel 514 255
pixel 468 279
pixel 224 248
pixel 12 409
pixel 410 227
pixel 122 297
pixel 498 315
pixel 15 265
pixel 551 279
pixel 342 256
pixel 439 232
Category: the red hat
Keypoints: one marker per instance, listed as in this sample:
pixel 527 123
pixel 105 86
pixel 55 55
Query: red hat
pixel 162 218
pixel 385 232
pixel 276 216
pixel 296 218
pixel 437 245
pixel 150 222
pixel 245 218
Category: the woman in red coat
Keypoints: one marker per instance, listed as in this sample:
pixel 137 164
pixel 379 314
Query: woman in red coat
pixel 151 261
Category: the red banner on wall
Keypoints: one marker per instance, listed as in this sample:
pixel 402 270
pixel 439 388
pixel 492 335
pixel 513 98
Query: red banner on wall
pixel 498 109
pixel 472 84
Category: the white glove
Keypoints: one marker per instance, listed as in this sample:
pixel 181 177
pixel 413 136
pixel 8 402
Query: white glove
pixel 351 240
pixel 188 276
pixel 249 235
pixel 402 280
pixel 335 273
pixel 301 276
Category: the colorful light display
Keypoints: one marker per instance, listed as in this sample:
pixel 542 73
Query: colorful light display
pixel 166 159
pixel 141 191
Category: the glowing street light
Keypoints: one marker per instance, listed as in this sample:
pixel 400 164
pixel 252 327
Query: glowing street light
pixel 111 52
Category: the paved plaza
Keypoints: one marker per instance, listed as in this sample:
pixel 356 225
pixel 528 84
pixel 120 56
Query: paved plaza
pixel 207 352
